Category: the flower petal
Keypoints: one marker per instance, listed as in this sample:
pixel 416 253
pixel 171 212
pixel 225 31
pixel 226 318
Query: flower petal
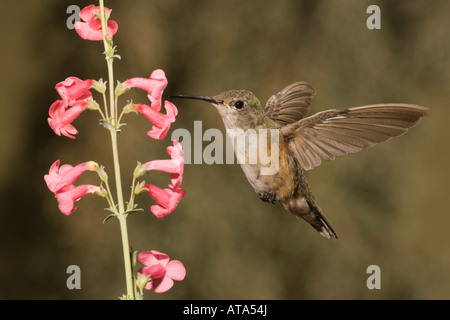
pixel 166 165
pixel 51 177
pixel 73 90
pixel 161 285
pixel 156 271
pixel 57 108
pixel 176 270
pixel 176 151
pixel 150 258
pixel 67 198
pixel 68 131
pixel 65 204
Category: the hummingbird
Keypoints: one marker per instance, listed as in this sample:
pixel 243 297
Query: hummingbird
pixel 305 141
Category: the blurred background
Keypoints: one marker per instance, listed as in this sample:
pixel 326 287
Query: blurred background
pixel 388 204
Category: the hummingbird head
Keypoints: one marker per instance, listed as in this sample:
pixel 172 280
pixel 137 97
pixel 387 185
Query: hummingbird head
pixel 238 108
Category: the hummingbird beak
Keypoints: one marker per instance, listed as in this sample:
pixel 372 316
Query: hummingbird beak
pixel 207 99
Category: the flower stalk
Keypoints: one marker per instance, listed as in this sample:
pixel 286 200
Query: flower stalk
pixel 122 216
pixel 76 97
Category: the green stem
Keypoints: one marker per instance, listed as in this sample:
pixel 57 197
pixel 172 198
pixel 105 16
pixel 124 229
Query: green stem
pixel 117 172
pixel 109 59
pixel 106 107
pixel 122 216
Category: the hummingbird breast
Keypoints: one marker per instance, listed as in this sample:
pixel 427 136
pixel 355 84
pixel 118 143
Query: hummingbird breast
pixel 275 180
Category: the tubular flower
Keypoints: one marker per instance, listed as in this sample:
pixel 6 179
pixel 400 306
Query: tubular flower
pixel 60 119
pixel 154 86
pixel 162 271
pixel 59 178
pixel 161 122
pixel 60 182
pixel 175 165
pixel 73 90
pixel 91 27
pixel 167 199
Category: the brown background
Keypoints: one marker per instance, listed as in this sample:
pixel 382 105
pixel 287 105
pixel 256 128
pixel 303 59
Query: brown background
pixel 389 204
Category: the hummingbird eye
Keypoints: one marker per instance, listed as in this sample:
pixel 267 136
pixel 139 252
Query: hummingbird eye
pixel 239 104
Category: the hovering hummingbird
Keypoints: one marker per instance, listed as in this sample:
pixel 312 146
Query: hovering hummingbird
pixel 304 142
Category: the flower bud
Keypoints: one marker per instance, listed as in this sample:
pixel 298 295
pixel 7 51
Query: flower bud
pixel 130 107
pixel 140 187
pixel 120 89
pixel 139 171
pixel 101 192
pixel 141 280
pixel 99 86
pixel 91 105
pixel 133 260
pixel 102 174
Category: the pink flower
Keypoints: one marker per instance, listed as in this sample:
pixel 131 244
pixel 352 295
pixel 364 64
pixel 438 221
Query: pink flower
pixel 161 122
pixel 58 178
pixel 60 119
pixel 162 271
pixel 74 92
pixel 91 28
pixel 175 165
pixel 60 182
pixel 154 86
pixel 166 200
pixel 71 194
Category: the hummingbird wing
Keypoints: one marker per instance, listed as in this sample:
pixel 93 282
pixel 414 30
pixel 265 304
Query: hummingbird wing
pixel 290 104
pixel 334 133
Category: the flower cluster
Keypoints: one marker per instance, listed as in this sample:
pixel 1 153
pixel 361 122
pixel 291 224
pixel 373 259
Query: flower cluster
pixel 166 199
pixel 154 86
pixel 75 94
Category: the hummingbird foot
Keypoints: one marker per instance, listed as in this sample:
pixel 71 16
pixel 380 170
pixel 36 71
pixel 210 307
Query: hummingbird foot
pixel 267 196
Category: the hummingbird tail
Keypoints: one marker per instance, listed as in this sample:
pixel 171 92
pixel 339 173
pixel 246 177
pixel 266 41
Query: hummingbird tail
pixel 311 213
pixel 323 227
